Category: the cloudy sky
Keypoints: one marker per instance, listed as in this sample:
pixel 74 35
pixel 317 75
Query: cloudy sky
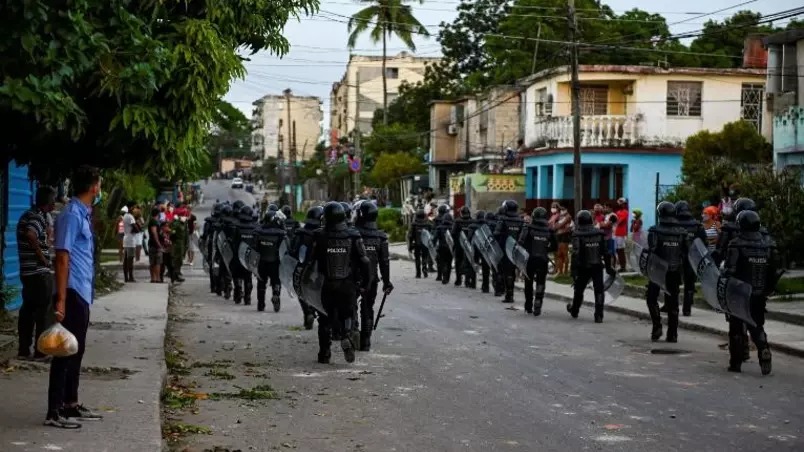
pixel 318 52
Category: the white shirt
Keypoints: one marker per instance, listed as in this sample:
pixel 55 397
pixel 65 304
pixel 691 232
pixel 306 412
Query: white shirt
pixel 129 237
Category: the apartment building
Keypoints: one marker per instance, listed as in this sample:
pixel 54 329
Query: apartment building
pixel 282 121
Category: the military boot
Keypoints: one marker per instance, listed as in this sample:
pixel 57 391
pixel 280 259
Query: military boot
pixel 529 306
pixel 365 341
pixel 656 319
pixel 599 303
pixel 736 348
pixel 537 307
pixel 348 349
pixel 672 326
pixel 276 302
pixel 765 361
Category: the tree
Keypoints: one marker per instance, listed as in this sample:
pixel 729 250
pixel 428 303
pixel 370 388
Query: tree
pixel 385 19
pixel 125 84
pixel 391 166
pixel 728 38
pixel 395 137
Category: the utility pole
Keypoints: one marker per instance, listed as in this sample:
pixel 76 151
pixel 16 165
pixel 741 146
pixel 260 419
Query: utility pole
pixel 576 110
pixel 358 151
pixel 536 50
pixel 291 151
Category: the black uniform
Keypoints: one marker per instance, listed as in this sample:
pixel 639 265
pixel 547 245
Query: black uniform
pixel 440 214
pixel 752 258
pixel 224 283
pixel 341 255
pixel 668 241
pixel 461 224
pixel 291 224
pixel 589 258
pixel 694 230
pixel 415 245
pixel 268 238
pixel 480 220
pixel 304 238
pixel 208 238
pixel 443 250
pixel 538 240
pixel 491 221
pixel 508 225
pixel 376 243
pixel 243 233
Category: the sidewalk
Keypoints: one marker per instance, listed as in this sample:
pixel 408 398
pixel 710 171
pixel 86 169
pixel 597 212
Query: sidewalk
pixel 122 378
pixel 784 336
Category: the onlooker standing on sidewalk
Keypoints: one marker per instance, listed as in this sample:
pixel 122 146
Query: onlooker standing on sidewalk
pixel 75 275
pixel 621 231
pixel 129 242
pixel 121 234
pixel 564 237
pixel 35 270
pixel 155 247
pixel 636 227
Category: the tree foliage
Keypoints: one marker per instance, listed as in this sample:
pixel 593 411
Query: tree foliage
pixel 126 84
pixel 391 166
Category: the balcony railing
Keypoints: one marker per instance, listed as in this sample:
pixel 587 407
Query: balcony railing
pixel 603 130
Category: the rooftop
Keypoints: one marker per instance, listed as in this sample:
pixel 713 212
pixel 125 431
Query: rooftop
pixel 639 70
pixel 784 37
pixel 398 56
pixel 266 97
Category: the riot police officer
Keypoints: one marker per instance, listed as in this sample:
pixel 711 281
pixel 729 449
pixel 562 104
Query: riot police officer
pixel 339 252
pixel 461 224
pixel 268 238
pixel 589 258
pixel 224 283
pixel 480 220
pixel 753 259
pixel 208 241
pixel 491 221
pixel 291 224
pixel 441 211
pixel 376 243
pixel 508 225
pixel 243 284
pixel 667 241
pixel 538 240
pixel 415 244
pixel 347 209
pixel 443 250
pixel 694 230
pixel 303 239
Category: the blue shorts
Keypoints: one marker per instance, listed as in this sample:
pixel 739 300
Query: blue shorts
pixel 611 244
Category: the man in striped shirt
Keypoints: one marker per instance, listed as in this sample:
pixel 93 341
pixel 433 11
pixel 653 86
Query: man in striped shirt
pixel 35 270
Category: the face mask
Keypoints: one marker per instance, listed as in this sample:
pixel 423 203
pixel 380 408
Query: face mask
pixel 553 210
pixel 97 199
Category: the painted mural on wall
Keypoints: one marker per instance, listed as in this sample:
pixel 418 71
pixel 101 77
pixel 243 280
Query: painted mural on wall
pixel 505 183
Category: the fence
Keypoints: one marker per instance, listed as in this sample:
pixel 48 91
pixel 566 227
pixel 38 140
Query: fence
pixel 663 190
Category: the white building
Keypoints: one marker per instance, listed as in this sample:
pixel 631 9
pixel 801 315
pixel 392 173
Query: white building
pixel 274 135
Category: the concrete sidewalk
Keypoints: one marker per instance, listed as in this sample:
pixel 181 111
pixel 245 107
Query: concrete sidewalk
pixel 122 379
pixel 783 336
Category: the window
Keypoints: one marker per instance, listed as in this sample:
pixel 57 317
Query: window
pixel 541 98
pixel 751 103
pixel 594 100
pixel 392 72
pixel 684 98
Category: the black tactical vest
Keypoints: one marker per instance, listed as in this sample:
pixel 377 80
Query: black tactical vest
pixel 670 245
pixel 268 243
pixel 418 227
pixel 338 252
pixel 247 235
pixel 754 260
pixel 372 242
pixel 539 242
pixel 589 241
pixel 513 226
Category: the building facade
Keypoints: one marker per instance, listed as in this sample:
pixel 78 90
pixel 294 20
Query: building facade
pixel 355 98
pixel 635 120
pixel 275 134
pixel 16 196
pixel 785 100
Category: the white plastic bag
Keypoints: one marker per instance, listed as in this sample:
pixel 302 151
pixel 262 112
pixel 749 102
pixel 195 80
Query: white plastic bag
pixel 57 341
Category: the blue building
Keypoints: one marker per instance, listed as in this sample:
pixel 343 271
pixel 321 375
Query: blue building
pixel 16 196
pixel 608 174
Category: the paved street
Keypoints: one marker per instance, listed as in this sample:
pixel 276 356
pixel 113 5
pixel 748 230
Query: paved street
pixel 453 369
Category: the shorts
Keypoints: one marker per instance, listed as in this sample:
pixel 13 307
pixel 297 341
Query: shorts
pixel 620 242
pixel 130 251
pixel 154 256
pixel 610 244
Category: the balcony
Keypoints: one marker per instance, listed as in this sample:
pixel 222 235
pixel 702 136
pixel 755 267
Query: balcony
pixel 596 131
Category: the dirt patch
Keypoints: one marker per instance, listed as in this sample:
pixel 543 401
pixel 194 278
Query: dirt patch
pixel 117 326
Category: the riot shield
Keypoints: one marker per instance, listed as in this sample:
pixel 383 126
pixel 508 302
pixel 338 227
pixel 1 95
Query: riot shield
pixel 311 283
pixel 249 258
pixel 302 253
pixel 287 267
pixel 655 269
pixel 517 255
pixel 226 251
pixel 613 285
pixel 427 240
pixel 636 252
pixel 449 240
pixel 488 247
pixel 468 251
pixel 214 247
pixel 723 293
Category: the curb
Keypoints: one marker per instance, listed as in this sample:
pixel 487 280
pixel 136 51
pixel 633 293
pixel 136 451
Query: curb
pixel 794 351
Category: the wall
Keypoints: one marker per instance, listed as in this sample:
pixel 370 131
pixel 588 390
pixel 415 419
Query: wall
pixel 443 146
pixel 488 191
pixel 640 170
pixel 788 138
pixel 304 110
pixel 18 198
pixel 721 95
pixel 503 119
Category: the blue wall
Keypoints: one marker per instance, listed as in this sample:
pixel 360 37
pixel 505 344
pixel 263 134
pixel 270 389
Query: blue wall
pixel 20 198
pixel 639 174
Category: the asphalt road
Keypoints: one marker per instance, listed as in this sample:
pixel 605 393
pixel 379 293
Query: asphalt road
pixel 453 369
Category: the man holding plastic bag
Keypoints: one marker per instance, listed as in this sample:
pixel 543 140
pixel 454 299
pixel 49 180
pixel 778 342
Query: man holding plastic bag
pixel 74 244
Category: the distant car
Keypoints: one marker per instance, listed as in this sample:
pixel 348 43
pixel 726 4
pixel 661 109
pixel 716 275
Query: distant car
pixel 237 182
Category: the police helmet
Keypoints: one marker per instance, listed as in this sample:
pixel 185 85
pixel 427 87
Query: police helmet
pixel 447 218
pixel 255 216
pixel 480 215
pixel 491 216
pixel 347 209
pixel 367 212
pixel 466 212
pixel 443 209
pixel 238 205
pixel 666 210
pixel 269 218
pixel 511 207
pixel 226 210
pixel 216 210
pixel 748 221
pixel 683 209
pixel 539 213
pixel 287 211
pixel 314 215
pixel 583 218
pixel 334 214
pixel 744 204
pixel 420 215
pixel 246 213
pixel 273 207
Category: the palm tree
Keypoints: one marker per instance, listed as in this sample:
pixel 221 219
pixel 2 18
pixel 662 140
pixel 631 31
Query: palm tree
pixel 384 19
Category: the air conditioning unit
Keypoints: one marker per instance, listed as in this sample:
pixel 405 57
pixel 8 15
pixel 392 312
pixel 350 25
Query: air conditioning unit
pixel 452 129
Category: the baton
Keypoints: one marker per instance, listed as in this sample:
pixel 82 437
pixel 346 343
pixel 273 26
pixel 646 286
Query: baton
pixel 379 312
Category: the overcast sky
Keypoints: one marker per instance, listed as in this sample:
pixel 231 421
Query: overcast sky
pixel 318 53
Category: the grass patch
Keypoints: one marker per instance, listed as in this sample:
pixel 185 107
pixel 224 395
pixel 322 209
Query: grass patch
pixel 260 392
pixel 174 431
pixel 636 280
pixel 104 258
pixel 175 359
pixel 790 286
pixel 563 279
pixel 219 374
pixel 296 328
pixel 177 396
pixel 218 363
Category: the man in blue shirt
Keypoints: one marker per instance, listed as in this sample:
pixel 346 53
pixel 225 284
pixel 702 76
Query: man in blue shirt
pixel 75 274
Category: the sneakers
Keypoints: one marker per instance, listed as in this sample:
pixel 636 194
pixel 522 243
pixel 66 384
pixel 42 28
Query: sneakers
pixel 348 350
pixel 59 421
pixel 80 413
